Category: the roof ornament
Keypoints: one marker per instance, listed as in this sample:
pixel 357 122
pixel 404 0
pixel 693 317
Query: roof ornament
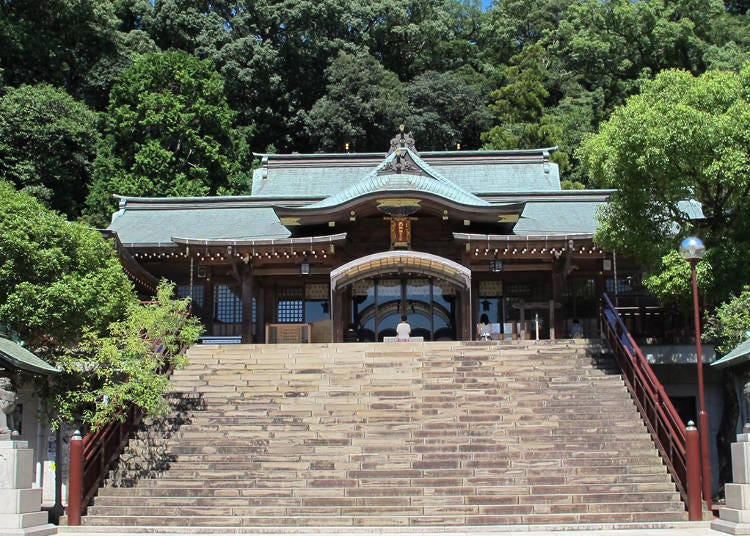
pixel 399 158
pixel 402 140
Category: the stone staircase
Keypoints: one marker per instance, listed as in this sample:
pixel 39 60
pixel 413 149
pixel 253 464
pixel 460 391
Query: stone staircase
pixel 403 434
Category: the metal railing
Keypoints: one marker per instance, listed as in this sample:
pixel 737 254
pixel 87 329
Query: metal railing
pixel 659 414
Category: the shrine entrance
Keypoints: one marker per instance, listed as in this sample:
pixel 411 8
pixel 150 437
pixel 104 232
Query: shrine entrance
pixel 373 292
pixel 429 304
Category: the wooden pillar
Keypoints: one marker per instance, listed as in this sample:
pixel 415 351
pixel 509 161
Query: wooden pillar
pixel 260 312
pixel 247 304
pixel 556 322
pixel 466 310
pixel 338 317
pixel 210 313
pixel 269 307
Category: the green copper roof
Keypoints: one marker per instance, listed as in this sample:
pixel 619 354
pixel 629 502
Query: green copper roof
pixel 156 221
pixel 18 357
pixel 740 354
pixel 420 177
pixel 556 217
pixel 476 172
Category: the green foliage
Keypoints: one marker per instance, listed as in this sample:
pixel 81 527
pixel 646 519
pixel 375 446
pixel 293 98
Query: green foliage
pixel 682 137
pixel 55 41
pixel 613 44
pixel 47 145
pixel 168 132
pixel 730 322
pixel 446 108
pixel 552 69
pixel 127 366
pixel 358 107
pixel 519 103
pixel 57 278
pixel 672 282
pixel 513 25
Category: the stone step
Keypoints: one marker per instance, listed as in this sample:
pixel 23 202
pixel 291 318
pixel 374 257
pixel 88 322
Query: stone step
pixel 619 506
pixel 562 496
pixel 397 435
pixel 490 517
pixel 447 463
pixel 659 487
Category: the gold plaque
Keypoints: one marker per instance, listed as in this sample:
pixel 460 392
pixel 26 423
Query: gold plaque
pixel 400 232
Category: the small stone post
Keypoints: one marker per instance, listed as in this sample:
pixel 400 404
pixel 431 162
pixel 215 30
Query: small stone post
pixel 734 518
pixel 20 505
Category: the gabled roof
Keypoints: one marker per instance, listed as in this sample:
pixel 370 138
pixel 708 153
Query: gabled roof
pixel 293 191
pixel 417 176
pixel 476 172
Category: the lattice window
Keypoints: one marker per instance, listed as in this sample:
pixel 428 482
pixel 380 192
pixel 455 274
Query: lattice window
pixel 227 305
pixel 198 293
pixel 624 284
pixel 490 289
pixel 290 306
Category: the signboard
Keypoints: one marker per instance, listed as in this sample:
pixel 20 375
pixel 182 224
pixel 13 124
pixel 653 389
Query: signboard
pixel 400 232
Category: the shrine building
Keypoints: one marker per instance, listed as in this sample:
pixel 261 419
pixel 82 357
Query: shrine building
pixel 328 241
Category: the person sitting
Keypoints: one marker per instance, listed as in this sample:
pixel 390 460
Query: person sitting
pixel 403 330
pixel 484 328
pixel 576 330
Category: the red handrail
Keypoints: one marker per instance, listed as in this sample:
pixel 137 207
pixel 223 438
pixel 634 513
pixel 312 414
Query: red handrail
pixel 658 412
pixel 101 448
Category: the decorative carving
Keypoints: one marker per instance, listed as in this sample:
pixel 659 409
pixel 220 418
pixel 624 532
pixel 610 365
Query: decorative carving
pixel 402 141
pixel 7 404
pixel 403 147
pixel 398 206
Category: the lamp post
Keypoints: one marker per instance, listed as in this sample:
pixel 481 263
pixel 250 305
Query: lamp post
pixel 692 250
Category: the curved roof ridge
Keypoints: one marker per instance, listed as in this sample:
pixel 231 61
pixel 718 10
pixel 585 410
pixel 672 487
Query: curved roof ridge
pixel 430 182
pixel 421 164
pixel 401 182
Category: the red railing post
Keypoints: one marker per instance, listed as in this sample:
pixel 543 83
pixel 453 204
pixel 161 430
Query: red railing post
pixel 75 479
pixel 693 447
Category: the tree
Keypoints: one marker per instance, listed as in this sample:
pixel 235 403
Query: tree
pixel 512 25
pixel 729 324
pixel 57 278
pixel 363 105
pixel 48 145
pixel 447 108
pixel 128 365
pixel 56 41
pixel 683 137
pixel 519 103
pixel 614 44
pixel 671 281
pixel 168 132
pixel 64 293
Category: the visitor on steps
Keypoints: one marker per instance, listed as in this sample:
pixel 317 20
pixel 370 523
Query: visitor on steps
pixel 484 328
pixel 403 330
pixel 576 330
